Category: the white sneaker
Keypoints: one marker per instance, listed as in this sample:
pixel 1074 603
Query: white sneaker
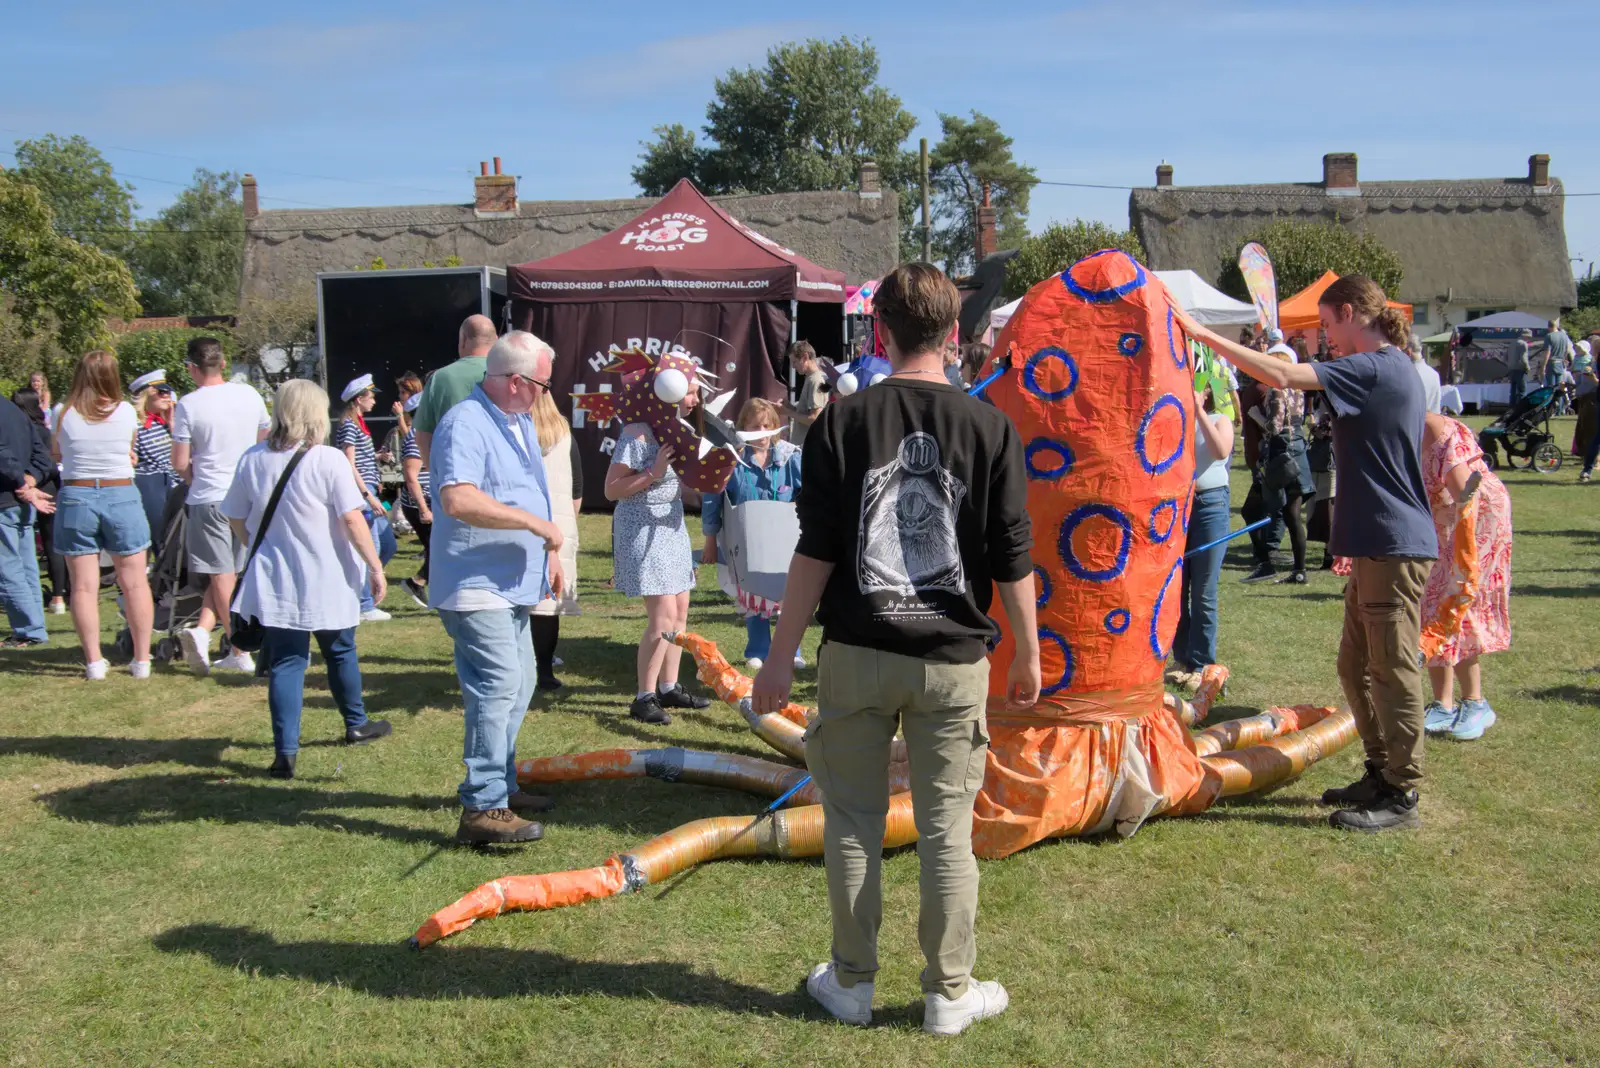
pixel 375 615
pixel 852 1005
pixel 754 663
pixel 139 669
pixel 556 661
pixel 799 661
pixel 196 644
pixel 943 1016
pixel 95 671
pixel 236 662
pixel 58 607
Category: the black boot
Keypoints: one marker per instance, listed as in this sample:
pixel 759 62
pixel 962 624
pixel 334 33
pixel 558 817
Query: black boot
pixel 1391 810
pixel 372 728
pixel 675 696
pixel 1360 792
pixel 282 766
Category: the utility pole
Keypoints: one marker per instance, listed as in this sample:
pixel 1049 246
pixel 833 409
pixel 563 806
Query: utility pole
pixel 927 227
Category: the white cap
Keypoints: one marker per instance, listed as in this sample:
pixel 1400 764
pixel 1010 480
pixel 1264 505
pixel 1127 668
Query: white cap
pixel 411 402
pixel 158 377
pixel 1274 335
pixel 356 387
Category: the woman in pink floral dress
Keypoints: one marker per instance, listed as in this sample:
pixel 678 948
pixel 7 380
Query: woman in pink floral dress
pixel 1450 460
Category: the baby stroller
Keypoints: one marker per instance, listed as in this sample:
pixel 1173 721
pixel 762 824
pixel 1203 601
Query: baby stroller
pixel 1524 432
pixel 177 602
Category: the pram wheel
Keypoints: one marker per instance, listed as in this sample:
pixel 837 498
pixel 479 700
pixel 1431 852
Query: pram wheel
pixel 1547 458
pixel 166 650
pixel 1522 462
pixel 125 643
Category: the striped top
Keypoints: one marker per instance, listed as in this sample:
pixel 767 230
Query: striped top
pixel 350 434
pixel 409 451
pixel 152 448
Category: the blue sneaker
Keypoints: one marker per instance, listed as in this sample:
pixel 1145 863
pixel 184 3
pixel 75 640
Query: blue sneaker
pixel 1475 718
pixel 1437 719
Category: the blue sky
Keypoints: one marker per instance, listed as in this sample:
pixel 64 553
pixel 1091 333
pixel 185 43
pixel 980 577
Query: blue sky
pixel 343 103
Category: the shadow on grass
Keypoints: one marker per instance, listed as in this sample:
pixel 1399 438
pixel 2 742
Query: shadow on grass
pixel 1578 695
pixel 130 752
pixel 1595 534
pixel 1587 591
pixel 1318 595
pixel 158 799
pixel 446 972
pixel 60 659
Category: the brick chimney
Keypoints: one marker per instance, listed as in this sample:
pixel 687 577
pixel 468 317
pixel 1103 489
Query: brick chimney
pixel 868 182
pixel 247 193
pixel 986 227
pixel 1339 176
pixel 1163 175
pixel 1539 171
pixel 494 195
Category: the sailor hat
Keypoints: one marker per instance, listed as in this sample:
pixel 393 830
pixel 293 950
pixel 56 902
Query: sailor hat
pixel 356 387
pixel 158 377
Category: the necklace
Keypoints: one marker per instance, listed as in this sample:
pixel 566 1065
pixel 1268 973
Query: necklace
pixel 918 371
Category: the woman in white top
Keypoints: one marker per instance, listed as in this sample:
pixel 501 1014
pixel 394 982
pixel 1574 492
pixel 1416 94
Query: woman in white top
pixel 564 473
pixel 306 578
pixel 99 508
pixel 1203 519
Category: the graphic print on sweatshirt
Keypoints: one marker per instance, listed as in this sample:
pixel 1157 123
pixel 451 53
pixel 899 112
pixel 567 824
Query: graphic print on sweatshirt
pixel 908 530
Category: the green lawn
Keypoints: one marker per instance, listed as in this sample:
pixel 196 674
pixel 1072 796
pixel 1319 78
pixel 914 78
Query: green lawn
pixel 162 901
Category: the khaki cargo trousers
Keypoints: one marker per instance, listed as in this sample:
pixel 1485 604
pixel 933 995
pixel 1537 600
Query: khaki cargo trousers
pixel 863 695
pixel 1378 662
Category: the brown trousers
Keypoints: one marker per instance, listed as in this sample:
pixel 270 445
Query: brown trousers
pixel 1378 662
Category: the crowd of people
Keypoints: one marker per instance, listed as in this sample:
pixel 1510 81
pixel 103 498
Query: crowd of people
pixel 286 534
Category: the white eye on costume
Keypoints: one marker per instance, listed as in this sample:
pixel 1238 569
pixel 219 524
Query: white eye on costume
pixel 879 377
pixel 671 385
pixel 847 384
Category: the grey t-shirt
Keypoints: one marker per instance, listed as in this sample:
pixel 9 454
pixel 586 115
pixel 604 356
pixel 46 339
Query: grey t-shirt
pixel 1519 356
pixel 1378 408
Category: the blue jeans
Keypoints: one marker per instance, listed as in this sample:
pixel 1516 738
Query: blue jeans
pixel 153 487
pixel 494 661
pixel 383 538
pixel 758 637
pixel 285 654
pixel 1519 386
pixel 1195 644
pixel 19 573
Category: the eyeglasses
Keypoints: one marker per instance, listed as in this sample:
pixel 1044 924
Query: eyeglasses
pixel 544 385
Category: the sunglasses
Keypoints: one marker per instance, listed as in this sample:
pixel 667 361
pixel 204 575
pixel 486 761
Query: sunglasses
pixel 545 385
pixel 165 391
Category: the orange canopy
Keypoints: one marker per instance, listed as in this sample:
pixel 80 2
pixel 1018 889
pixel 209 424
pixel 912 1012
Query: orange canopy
pixel 1299 312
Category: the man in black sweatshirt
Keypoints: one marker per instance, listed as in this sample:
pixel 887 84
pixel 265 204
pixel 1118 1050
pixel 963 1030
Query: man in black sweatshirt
pixel 913 511
pixel 24 463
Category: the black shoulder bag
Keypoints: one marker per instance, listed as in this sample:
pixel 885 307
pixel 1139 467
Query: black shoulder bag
pixel 247 635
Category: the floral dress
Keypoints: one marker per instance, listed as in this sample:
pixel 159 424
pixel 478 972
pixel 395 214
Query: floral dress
pixel 1486 626
pixel 650 542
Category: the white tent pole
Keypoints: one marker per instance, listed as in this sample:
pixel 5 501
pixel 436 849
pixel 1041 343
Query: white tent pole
pixel 794 335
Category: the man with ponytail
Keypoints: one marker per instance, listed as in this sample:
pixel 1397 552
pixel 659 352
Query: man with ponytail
pixel 1382 524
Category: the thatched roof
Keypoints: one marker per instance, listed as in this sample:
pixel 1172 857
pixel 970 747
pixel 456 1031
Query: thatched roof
pixel 1492 241
pixel 284 250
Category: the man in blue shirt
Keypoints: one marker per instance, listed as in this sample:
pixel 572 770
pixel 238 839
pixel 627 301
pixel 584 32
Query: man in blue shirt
pixel 494 558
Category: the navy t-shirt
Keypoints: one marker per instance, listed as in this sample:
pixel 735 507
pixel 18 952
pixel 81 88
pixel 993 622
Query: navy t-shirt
pixel 1378 407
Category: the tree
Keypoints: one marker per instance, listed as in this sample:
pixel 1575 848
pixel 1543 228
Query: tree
pixel 145 350
pixel 1061 245
pixel 1303 252
pixel 88 202
pixel 805 121
pixel 188 258
pixel 970 164
pixel 52 284
pixel 276 335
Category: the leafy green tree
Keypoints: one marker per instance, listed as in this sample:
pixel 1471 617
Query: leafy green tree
pixel 1303 252
pixel 51 284
pixel 805 121
pixel 188 258
pixel 76 181
pixel 1058 247
pixel 145 350
pixel 972 161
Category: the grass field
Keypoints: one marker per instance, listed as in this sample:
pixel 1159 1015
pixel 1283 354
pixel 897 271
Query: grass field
pixel 162 901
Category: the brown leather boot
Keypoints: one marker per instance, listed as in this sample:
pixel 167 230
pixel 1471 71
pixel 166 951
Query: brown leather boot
pixel 520 801
pixel 496 826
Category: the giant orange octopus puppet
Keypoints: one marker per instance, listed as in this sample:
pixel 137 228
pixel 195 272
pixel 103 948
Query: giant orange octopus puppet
pixel 1094 372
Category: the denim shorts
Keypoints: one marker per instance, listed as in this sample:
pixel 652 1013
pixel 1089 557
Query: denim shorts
pixel 89 519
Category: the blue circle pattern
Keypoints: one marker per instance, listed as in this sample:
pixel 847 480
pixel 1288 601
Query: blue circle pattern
pixel 1117 620
pixel 1187 503
pixel 1070 525
pixel 1048 635
pixel 1130 345
pixel 1155 615
pixel 1104 296
pixel 1031 381
pixel 1062 452
pixel 1045 588
pixel 1165 401
pixel 1158 535
pixel 1180 357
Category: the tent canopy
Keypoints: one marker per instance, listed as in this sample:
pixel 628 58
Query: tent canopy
pixel 1206 303
pixel 1299 312
pixel 682 249
pixel 1508 320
